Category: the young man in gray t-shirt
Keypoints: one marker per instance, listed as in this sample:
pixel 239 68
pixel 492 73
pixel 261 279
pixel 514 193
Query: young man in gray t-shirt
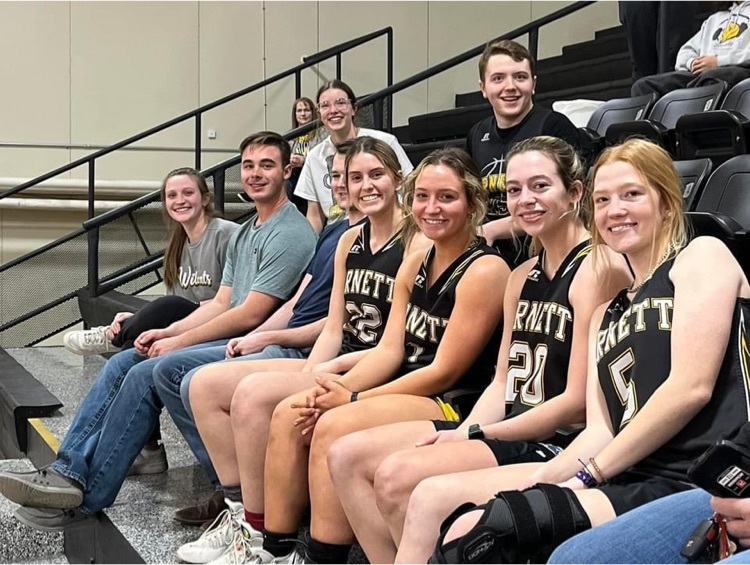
pixel 122 408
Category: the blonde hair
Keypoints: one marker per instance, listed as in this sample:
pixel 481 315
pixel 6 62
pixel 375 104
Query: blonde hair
pixel 654 165
pixel 460 163
pixel 569 168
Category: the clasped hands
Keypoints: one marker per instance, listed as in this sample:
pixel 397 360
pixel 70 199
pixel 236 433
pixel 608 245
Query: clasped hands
pixel 327 394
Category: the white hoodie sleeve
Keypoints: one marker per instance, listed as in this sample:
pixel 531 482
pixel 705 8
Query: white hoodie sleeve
pixel 690 51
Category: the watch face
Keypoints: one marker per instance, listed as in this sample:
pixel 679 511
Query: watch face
pixel 475 432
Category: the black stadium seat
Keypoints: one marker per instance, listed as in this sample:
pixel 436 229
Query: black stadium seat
pixel 611 112
pixel 719 134
pixel 694 174
pixel 662 120
pixel 723 210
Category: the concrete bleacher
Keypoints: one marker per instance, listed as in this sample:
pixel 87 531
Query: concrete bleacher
pixel 139 526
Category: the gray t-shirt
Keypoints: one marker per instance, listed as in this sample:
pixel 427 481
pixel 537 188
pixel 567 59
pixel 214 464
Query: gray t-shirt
pixel 314 182
pixel 202 262
pixel 270 258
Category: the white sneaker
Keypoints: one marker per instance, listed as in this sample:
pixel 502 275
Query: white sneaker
pixel 217 538
pixel 246 541
pixel 295 557
pixel 261 556
pixel 89 342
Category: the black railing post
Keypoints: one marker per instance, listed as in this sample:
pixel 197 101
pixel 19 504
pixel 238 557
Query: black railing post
pixel 93 241
pixel 389 114
pixel 92 189
pixel 534 42
pixel 338 66
pixel 298 84
pixel 219 186
pixel 198 142
pixel 377 114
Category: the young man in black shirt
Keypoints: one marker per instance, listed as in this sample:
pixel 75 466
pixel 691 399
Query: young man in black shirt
pixel 507 81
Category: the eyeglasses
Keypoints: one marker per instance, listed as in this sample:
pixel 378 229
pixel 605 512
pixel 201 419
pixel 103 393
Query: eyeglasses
pixel 340 104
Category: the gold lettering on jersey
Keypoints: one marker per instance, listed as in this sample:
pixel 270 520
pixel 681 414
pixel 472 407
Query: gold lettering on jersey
pixel 538 317
pixel 616 332
pixel 494 183
pixel 368 283
pixel 421 323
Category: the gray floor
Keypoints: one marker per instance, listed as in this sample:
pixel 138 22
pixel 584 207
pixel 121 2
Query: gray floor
pixel 143 509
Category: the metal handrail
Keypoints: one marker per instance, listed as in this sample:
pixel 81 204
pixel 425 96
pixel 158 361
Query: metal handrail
pixel 92 225
pixel 194 114
pixel 529 28
pixel 89 146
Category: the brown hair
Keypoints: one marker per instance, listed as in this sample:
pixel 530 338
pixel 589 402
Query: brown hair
pixel 270 139
pixel 655 167
pixel 460 163
pixel 380 150
pixel 569 168
pixel 310 105
pixel 512 49
pixel 177 234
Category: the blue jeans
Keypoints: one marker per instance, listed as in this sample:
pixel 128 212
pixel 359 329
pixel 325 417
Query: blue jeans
pixel 653 533
pixel 269 352
pixel 120 412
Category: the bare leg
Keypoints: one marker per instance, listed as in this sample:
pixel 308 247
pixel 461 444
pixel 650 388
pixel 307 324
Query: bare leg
pixel 211 391
pixel 594 503
pixel 285 477
pixel 400 473
pixel 329 523
pixel 352 461
pixel 435 498
pixel 252 408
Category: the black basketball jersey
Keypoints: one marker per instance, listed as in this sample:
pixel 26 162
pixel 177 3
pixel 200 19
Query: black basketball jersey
pixel 542 334
pixel 488 146
pixel 368 290
pixel 633 358
pixel 428 314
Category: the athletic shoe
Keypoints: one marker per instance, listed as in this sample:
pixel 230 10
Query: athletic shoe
pixel 43 488
pixel 150 462
pixel 262 557
pixel 89 342
pixel 49 519
pixel 245 543
pixel 217 538
pixel 203 514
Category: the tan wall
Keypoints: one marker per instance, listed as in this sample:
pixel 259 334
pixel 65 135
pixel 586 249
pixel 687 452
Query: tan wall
pixel 97 72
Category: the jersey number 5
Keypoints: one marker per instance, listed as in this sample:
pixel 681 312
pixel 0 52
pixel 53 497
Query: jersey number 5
pixel 526 372
pixel 624 387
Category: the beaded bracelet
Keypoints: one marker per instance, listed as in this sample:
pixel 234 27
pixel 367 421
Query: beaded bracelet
pixel 598 471
pixel 585 476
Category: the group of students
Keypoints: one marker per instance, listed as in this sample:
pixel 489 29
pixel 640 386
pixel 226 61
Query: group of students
pixel 333 397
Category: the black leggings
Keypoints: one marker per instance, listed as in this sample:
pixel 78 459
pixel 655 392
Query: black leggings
pixel 155 315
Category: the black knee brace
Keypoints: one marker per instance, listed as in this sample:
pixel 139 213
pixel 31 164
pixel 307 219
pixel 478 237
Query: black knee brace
pixel 516 527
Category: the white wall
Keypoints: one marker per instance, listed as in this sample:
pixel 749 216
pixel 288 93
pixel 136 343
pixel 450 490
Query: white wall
pixel 97 72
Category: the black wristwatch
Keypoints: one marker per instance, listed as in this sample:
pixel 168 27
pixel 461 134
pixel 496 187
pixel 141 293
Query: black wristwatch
pixel 475 432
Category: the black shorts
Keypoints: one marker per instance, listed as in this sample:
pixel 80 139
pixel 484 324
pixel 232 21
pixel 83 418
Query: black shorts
pixel 631 490
pixel 510 452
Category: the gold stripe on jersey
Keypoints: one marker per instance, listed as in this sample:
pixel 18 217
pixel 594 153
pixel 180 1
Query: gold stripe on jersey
pixel 459 270
pixel 580 255
pixel 744 355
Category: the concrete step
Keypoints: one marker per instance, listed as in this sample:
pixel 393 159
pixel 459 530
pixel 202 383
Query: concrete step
pixel 139 525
